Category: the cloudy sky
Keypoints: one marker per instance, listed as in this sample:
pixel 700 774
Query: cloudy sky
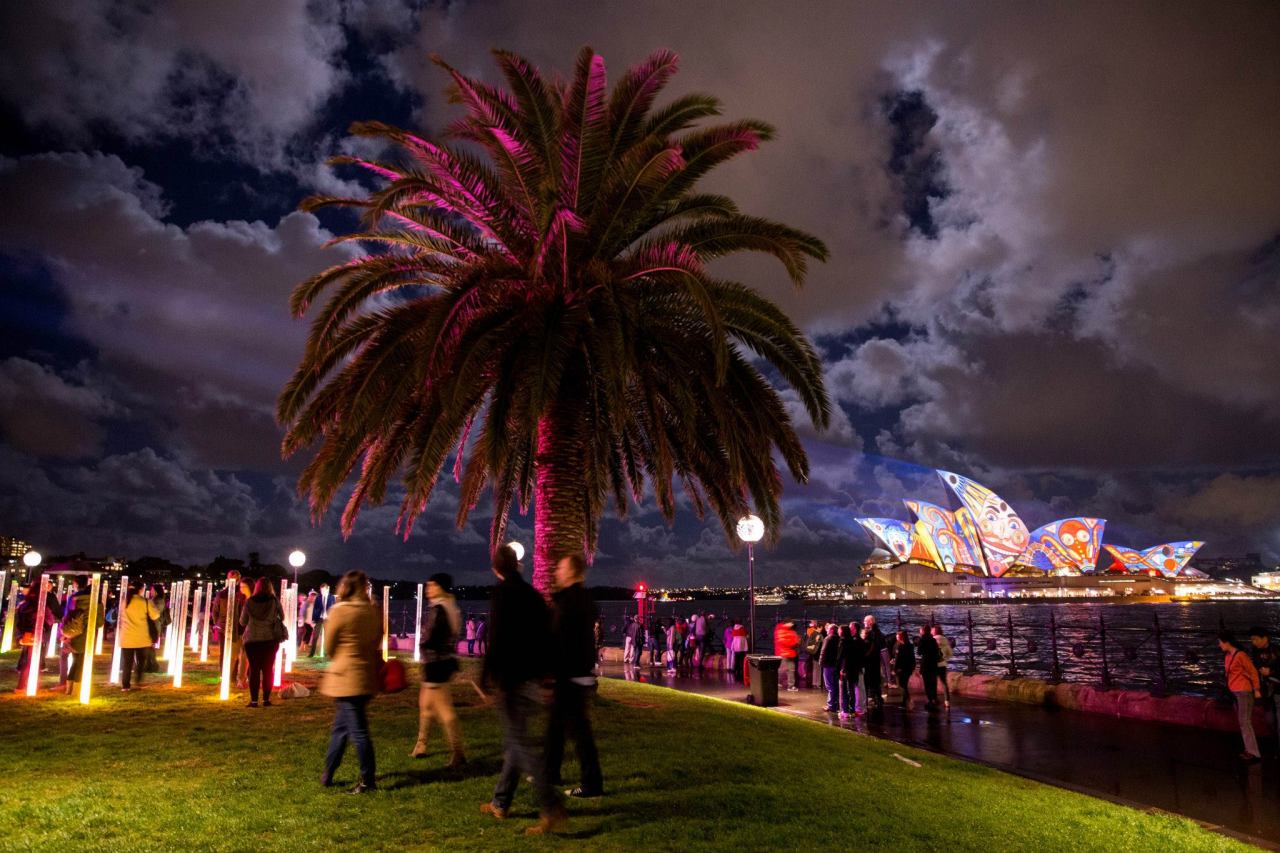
pixel 1055 234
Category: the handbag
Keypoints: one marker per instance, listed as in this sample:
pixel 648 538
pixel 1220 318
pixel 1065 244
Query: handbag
pixel 279 632
pixel 153 627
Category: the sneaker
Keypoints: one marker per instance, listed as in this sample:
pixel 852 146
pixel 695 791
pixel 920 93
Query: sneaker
pixel 497 811
pixel 363 787
pixel 793 689
pixel 843 715
pixel 252 705
pixel 579 794
pixel 266 703
pixel 325 780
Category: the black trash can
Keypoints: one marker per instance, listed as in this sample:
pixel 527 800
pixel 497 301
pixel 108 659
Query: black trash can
pixel 763 670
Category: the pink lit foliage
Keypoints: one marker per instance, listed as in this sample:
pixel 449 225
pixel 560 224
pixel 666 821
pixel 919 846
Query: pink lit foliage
pixel 547 316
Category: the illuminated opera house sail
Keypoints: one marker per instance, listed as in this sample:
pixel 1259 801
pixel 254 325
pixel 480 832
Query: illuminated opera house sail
pixel 982 535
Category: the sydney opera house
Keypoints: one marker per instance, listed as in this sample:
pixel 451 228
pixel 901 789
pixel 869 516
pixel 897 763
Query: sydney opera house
pixel 980 547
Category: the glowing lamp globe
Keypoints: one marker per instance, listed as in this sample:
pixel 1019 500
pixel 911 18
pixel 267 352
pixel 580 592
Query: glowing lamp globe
pixel 297 558
pixel 518 548
pixel 750 529
pixel 31 559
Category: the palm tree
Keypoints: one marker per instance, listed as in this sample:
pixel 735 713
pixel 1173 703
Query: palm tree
pixel 546 315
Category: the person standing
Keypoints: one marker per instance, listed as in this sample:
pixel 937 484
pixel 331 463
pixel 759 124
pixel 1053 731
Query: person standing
pixel 471 636
pixel 262 631
pixel 516 660
pixel 629 641
pixel 945 651
pixel 785 643
pixel 829 661
pixel 353 644
pixel 854 659
pixel 572 615
pixel 873 670
pixel 1246 686
pixel 230 645
pixel 672 645
pixel 1267 660
pixel 139 631
pixel 73 631
pixel 741 644
pixel 930 656
pixel 904 664
pixel 441 626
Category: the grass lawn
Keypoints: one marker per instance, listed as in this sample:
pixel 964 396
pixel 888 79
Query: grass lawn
pixel 166 769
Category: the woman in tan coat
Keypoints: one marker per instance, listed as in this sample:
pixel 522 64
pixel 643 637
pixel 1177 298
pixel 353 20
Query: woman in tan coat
pixel 353 644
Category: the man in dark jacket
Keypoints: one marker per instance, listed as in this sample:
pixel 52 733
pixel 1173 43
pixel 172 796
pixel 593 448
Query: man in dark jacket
pixel 73 631
pixel 872 671
pixel 1266 657
pixel 829 661
pixel 515 658
pixel 929 655
pixel 573 618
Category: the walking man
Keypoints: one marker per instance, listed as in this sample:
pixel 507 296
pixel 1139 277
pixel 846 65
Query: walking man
pixel 930 656
pixel 944 651
pixel 873 671
pixel 573 615
pixel 517 643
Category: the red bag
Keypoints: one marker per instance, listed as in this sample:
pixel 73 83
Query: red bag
pixel 391 677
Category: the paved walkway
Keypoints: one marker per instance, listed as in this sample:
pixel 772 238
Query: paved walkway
pixel 1179 769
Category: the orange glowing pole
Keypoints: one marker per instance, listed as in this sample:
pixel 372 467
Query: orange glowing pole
pixel 6 641
pixel 86 674
pixel 386 621
pixel 204 622
pixel 115 654
pixel 33 664
pixel 225 691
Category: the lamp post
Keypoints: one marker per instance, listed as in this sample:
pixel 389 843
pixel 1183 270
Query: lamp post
pixel 751 531
pixel 296 559
pixel 518 548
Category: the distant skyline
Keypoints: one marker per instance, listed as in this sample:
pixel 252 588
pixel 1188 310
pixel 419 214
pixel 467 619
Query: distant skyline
pixel 1055 235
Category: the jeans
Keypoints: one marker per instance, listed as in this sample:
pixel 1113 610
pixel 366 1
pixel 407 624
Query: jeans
pixel 1244 712
pixel 853 697
pixel 570 713
pixel 76 670
pixel 872 682
pixel 521 747
pixel 132 660
pixel 904 678
pixel 262 665
pixel 350 723
pixel 831 681
pixel 929 675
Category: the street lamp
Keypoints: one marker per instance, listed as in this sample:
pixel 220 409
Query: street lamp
pixel 296 559
pixel 751 531
pixel 31 559
pixel 518 548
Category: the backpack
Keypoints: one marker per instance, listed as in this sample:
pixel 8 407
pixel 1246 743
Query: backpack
pixel 391 677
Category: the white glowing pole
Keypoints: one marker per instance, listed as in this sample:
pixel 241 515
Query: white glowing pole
pixel 280 648
pixel 33 665
pixel 86 671
pixel 386 621
pixel 193 640
pixel 225 692
pixel 179 647
pixel 102 629
pixel 417 628
pixel 290 647
pixel 115 654
pixel 57 625
pixel 6 641
pixel 324 606
pixel 204 623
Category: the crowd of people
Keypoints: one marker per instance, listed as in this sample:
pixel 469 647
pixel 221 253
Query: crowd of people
pixel 540 658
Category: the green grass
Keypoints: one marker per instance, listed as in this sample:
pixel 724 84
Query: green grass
pixel 165 769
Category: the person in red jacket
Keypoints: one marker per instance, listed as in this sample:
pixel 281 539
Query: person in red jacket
pixel 786 643
pixel 1245 685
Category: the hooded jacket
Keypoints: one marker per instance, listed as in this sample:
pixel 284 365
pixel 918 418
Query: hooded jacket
pixel 259 617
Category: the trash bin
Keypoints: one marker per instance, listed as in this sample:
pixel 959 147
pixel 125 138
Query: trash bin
pixel 764 679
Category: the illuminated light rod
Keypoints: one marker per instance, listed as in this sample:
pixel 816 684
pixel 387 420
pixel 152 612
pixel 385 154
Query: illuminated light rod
pixel 114 678
pixel 386 622
pixel 183 594
pixel 33 659
pixel 224 692
pixel 204 626
pixel 417 629
pixel 86 672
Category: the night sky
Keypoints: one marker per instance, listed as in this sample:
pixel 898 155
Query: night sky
pixel 1055 234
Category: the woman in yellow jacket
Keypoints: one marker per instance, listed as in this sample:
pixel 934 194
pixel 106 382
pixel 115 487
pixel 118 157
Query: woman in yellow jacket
pixel 135 638
pixel 353 644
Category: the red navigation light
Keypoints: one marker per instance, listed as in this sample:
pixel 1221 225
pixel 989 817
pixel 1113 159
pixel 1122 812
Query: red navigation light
pixel 640 587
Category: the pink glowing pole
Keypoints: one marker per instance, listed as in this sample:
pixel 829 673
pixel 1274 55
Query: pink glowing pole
pixel 225 691
pixel 86 674
pixel 115 654
pixel 193 641
pixel 33 665
pixel 52 651
pixel 204 622
pixel 179 647
pixel 280 647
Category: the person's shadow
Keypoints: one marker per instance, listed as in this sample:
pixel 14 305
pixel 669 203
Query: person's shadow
pixel 431 775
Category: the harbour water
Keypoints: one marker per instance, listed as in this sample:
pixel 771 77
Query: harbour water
pixel 1186 639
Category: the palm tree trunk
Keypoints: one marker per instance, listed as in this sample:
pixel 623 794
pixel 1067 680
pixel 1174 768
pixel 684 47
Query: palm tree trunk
pixel 559 501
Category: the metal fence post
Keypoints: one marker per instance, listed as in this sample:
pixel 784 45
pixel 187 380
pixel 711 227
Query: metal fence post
pixel 1013 666
pixel 1055 674
pixel 1161 682
pixel 972 666
pixel 1106 672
